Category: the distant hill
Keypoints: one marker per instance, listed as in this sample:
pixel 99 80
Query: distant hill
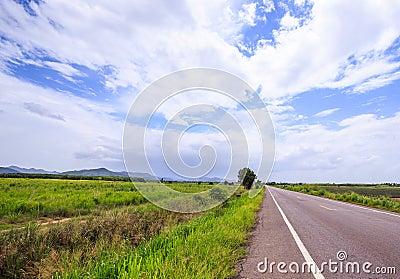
pixel 83 172
pixel 95 172
pixel 7 170
pixel 106 172
pixel 99 172
pixel 145 176
pixel 32 170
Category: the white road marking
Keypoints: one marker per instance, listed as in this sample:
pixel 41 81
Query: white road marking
pixel 316 272
pixel 349 204
pixel 363 207
pixel 327 208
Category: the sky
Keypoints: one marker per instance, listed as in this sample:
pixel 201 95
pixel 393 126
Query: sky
pixel 328 72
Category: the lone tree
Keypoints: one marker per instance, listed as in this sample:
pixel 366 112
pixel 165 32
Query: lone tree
pixel 246 177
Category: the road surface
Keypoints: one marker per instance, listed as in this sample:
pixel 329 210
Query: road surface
pixel 297 232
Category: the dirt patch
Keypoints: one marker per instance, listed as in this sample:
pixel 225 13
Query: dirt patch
pixel 42 222
pixel 54 221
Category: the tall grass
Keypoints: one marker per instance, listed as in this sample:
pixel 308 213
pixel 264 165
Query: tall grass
pixel 207 247
pixel 45 252
pixel 27 199
pixel 190 187
pixel 135 241
pixel 22 200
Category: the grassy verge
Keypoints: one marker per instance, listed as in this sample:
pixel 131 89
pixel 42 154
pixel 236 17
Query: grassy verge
pixel 37 252
pixel 206 247
pixel 381 202
pixel 114 232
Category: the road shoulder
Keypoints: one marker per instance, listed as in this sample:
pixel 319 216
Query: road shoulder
pixel 271 241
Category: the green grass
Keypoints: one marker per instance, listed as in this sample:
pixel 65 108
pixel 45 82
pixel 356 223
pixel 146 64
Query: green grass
pixel 372 196
pixel 207 247
pixel 27 199
pixel 190 187
pixel 115 233
pixel 369 191
pixel 37 251
pixel 23 200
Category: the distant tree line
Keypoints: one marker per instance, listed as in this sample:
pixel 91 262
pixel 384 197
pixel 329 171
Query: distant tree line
pixel 198 182
pixel 70 177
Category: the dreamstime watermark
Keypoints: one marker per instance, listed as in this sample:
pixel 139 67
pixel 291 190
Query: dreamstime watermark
pixel 209 111
pixel 340 265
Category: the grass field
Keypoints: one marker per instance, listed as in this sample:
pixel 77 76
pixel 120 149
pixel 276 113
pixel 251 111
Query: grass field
pixel 378 196
pixel 364 190
pixel 114 232
pixel 23 199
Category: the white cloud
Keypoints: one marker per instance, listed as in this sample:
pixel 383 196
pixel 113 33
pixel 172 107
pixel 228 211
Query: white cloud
pixel 376 82
pixel 299 2
pixel 289 22
pixel 64 69
pixel 248 14
pixel 327 112
pixel 195 97
pixel 363 75
pixel 40 110
pixel 144 41
pixel 314 54
pixel 33 135
pixel 268 6
pixel 98 33
pixel 362 150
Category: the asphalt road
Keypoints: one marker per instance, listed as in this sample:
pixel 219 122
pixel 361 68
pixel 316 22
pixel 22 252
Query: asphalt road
pixel 336 237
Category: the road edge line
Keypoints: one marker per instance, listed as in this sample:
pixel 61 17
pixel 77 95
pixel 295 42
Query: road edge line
pixel 363 207
pixel 317 273
pixel 377 210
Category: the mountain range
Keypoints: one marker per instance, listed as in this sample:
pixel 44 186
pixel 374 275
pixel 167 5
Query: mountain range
pixel 31 170
pixel 96 172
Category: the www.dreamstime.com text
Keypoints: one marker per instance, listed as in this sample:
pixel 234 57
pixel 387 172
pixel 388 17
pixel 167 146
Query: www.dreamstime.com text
pixel 340 266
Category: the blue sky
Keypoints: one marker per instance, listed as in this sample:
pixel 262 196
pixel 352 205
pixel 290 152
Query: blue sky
pixel 329 72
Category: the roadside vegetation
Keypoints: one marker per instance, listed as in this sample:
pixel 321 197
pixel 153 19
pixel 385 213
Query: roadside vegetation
pixel 23 200
pixel 45 252
pixel 377 196
pixel 191 187
pixel 205 247
pixel 113 232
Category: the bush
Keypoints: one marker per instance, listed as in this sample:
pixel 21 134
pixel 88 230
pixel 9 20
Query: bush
pixel 246 177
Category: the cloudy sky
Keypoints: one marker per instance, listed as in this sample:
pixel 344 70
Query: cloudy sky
pixel 329 72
